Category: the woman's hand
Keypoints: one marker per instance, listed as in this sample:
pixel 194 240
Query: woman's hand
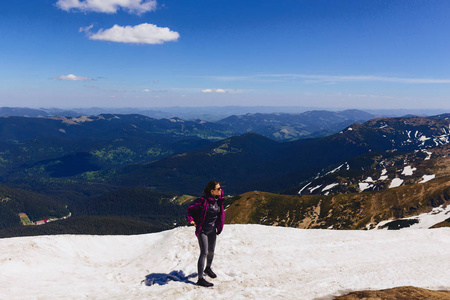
pixel 193 223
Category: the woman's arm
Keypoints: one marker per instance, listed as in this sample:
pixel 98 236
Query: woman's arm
pixel 193 210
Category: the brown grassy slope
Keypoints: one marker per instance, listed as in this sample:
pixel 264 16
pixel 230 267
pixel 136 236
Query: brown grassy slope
pixel 342 211
pixel 441 160
pixel 399 293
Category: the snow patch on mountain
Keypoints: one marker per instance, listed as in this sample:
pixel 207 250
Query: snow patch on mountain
pixel 329 187
pixel 338 169
pixel 315 188
pixel 426 178
pixel 425 220
pixel 383 175
pixel 408 171
pixel 368 179
pixel 428 153
pixel 396 182
pixel 303 188
pixel 364 186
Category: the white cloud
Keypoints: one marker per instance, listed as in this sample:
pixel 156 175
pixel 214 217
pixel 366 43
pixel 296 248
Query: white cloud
pixel 140 34
pixel 146 90
pixel 72 78
pixel 214 91
pixel 108 6
pixel 86 29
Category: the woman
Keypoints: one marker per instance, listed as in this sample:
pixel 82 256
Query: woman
pixel 208 216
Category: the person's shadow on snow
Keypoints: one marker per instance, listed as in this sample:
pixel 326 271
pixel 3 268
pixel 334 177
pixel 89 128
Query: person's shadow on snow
pixel 162 279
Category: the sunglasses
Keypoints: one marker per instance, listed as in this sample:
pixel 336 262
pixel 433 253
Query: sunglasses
pixel 218 189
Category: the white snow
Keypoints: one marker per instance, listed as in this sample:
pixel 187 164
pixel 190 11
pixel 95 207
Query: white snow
pixel 335 170
pixel 426 178
pixel 300 192
pixel 428 153
pixel 444 139
pixel 408 171
pixel 396 182
pixel 329 187
pixel 252 262
pixel 383 175
pixel 426 220
pixel 315 188
pixel 364 186
pixel 424 138
pixel 368 179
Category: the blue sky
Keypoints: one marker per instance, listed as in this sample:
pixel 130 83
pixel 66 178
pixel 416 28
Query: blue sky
pixel 153 53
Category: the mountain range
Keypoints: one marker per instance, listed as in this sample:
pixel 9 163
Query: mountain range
pixel 206 113
pixel 66 146
pixel 101 168
pixel 253 162
pixel 285 127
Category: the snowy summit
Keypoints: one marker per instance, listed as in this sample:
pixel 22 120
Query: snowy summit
pixel 252 262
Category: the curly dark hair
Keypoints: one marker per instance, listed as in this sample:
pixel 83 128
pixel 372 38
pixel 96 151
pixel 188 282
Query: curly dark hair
pixel 210 186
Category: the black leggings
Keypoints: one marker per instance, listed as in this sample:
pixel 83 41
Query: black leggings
pixel 207 242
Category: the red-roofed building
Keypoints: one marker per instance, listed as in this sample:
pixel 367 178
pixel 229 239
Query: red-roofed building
pixel 41 222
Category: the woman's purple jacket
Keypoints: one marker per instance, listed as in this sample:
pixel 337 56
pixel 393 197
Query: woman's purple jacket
pixel 197 212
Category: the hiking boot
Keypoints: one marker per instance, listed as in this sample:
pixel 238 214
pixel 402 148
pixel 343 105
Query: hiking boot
pixel 210 272
pixel 203 282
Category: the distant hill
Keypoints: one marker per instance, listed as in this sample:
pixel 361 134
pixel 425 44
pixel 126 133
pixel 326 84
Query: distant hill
pixel 22 112
pixel 135 203
pixel 283 126
pixel 92 225
pixel 31 112
pixel 60 146
pixel 107 126
pixel 123 211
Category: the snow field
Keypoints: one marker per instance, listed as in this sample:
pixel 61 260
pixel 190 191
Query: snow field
pixel 252 262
